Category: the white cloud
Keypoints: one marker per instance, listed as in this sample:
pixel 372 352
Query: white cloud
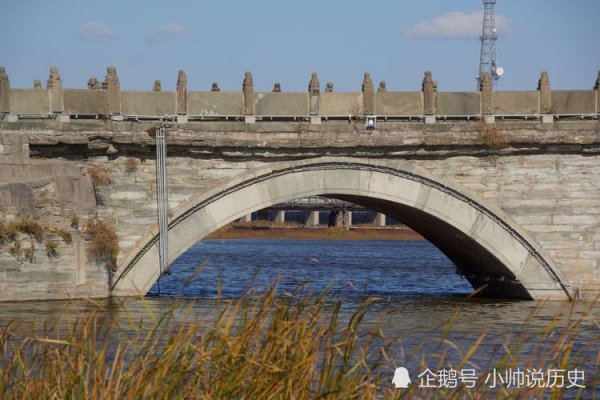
pixel 163 33
pixel 455 24
pixel 93 31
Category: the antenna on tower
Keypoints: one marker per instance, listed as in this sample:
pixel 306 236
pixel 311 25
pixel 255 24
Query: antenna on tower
pixel 487 59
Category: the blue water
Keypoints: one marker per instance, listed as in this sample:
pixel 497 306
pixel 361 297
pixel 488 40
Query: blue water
pixel 350 268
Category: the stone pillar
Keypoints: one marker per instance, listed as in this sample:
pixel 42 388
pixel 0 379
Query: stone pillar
pixel 4 92
pixel 182 97
pixel 429 88
pixel 339 219
pixel 329 87
pixel 368 95
pixel 55 89
pixel 545 95
pixel 246 218
pixel 113 92
pixel 280 217
pixel 314 92
pixel 248 89
pixel 487 109
pixel 313 218
pixel 382 87
pixel 379 219
pixel 37 84
pixel 597 89
pixel 157 86
pixel 348 219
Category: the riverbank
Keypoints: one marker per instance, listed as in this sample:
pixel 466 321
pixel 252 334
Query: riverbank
pixel 290 231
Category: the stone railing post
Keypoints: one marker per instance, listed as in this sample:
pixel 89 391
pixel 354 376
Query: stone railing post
pixel 314 94
pixel 545 95
pixel 487 101
pixel 597 89
pixel 55 91
pixel 429 89
pixel 4 92
pixel 314 90
pixel 182 97
pixel 113 93
pixel 368 95
pixel 248 89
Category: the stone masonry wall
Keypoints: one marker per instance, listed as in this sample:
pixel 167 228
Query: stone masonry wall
pixel 545 176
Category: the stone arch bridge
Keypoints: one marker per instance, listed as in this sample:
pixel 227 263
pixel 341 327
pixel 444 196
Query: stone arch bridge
pixel 488 247
pixel 506 184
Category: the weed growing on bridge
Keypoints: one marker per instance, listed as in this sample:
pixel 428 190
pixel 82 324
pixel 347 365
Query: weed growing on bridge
pixel 131 165
pixel 65 235
pixel 51 248
pixel 104 243
pixel 264 346
pixel 492 137
pixel 100 176
pixel 29 227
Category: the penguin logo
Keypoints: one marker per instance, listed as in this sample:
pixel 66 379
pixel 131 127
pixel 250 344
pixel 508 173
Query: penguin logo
pixel 401 378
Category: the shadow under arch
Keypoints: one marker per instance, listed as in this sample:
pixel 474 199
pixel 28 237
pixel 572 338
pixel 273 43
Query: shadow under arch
pixel 484 244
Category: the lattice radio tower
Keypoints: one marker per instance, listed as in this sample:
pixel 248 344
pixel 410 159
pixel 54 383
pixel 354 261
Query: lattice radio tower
pixel 487 59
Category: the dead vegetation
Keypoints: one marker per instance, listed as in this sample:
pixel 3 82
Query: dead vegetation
pixel 493 137
pixel 131 165
pixel 100 176
pixel 104 243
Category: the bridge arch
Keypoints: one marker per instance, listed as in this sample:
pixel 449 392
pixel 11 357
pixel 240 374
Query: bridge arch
pixel 481 240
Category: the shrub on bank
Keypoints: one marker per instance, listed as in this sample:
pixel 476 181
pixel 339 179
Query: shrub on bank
pixel 257 347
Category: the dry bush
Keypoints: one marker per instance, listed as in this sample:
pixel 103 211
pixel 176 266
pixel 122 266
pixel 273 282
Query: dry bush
pixel 492 137
pixel 51 248
pixel 104 245
pixel 64 235
pixel 131 165
pixel 100 176
pixel 75 221
pixel 26 226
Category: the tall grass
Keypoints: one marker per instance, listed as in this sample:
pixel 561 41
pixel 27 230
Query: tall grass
pixel 260 346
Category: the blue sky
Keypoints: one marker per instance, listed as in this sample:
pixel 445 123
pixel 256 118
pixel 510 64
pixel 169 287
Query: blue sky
pixel 285 41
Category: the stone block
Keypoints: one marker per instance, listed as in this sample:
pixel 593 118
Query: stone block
pixel 430 119
pixel 573 102
pixel 249 119
pixel 516 103
pixel 489 119
pixel 269 103
pixel 315 120
pixel 81 101
pixel 399 103
pixel 458 103
pixel 547 119
pixel 215 103
pixel 29 101
pixel 341 104
pixel 148 103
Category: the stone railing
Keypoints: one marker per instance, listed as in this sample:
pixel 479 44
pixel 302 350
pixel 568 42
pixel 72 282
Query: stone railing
pixel 106 100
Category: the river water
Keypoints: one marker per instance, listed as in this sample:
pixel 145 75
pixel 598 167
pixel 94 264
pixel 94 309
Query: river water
pixel 418 290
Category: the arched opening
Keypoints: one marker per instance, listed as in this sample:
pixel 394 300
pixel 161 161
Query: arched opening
pixel 481 241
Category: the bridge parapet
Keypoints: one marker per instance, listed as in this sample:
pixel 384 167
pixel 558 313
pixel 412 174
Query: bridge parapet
pixel 110 102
